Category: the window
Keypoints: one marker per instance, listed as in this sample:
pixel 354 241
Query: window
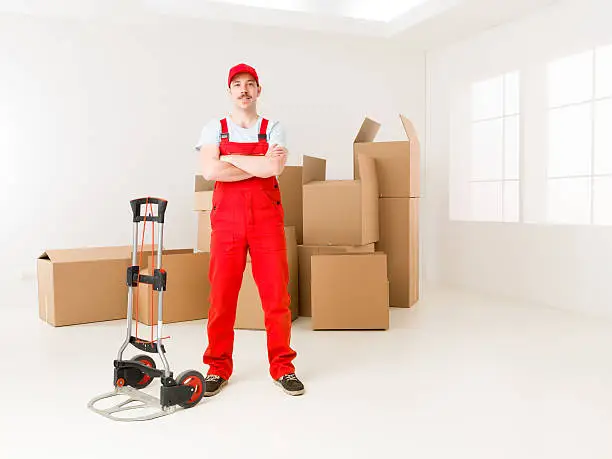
pixel 579 168
pixel 494 160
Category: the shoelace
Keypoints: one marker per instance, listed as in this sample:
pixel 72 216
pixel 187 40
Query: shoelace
pixel 290 377
pixel 212 378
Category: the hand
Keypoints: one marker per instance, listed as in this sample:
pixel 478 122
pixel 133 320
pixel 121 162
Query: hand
pixel 276 150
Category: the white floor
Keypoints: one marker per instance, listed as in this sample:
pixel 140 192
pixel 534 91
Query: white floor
pixel 456 376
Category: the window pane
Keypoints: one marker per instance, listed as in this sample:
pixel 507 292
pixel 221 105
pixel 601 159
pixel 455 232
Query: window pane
pixel 569 201
pixel 511 147
pixel 570 79
pixel 511 93
pixel 603 137
pixel 488 98
pixel 487 150
pixel 602 201
pixel 603 72
pixel 569 141
pixel 486 201
pixel 511 201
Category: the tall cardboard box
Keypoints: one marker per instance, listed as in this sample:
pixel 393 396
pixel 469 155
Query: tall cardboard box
pixel 204 231
pixel 399 239
pixel 290 184
pixel 305 254
pixel 397 163
pixel 203 193
pixel 350 292
pixel 398 169
pixel 187 288
pixel 249 314
pixel 77 286
pixel 340 212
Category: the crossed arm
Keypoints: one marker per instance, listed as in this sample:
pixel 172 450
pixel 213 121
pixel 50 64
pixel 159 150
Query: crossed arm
pixel 233 168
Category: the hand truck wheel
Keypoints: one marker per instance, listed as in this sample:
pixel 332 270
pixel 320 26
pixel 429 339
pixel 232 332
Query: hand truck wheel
pixel 196 380
pixel 146 379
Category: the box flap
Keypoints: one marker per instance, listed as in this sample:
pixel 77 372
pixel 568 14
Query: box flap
pixel 369 197
pixel 411 133
pixel 367 169
pixel 367 132
pixel 313 169
pixel 201 184
pixel 87 254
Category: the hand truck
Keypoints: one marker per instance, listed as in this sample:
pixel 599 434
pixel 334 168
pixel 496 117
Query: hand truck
pixel 187 389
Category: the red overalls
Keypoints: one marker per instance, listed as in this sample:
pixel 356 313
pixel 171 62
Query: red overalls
pixel 248 215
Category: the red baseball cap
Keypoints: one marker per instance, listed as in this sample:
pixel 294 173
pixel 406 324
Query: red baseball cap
pixel 241 68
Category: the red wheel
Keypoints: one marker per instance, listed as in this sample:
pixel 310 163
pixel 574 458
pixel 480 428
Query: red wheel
pixel 146 379
pixel 196 380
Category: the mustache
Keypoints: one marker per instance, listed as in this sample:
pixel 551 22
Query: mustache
pixel 245 95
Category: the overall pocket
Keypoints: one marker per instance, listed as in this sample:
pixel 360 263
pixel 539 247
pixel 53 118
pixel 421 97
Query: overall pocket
pixel 217 205
pixel 272 206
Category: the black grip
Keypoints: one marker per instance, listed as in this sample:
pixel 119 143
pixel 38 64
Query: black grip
pixel 161 209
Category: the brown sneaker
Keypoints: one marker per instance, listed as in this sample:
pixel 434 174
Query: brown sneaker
pixel 213 385
pixel 291 384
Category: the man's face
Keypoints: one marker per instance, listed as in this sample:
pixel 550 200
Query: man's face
pixel 244 90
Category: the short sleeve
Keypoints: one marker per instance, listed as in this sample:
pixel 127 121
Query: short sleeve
pixel 277 135
pixel 210 134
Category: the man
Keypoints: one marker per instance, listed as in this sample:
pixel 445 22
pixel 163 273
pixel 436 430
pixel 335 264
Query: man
pixel 244 153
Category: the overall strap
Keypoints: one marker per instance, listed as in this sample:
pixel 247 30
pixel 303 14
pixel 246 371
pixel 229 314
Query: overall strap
pixel 224 130
pixel 263 137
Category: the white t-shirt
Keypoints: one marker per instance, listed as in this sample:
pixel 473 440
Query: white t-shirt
pixel 211 133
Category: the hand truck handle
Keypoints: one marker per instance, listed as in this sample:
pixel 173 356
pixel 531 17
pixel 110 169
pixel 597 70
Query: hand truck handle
pixel 161 209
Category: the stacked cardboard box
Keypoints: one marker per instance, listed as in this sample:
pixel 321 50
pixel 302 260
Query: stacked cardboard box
pixel 373 217
pixel 343 282
pixel 353 250
pixel 398 170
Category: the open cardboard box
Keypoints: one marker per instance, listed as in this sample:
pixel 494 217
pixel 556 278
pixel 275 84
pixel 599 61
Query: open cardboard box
pixel 398 169
pixel 77 286
pixel 340 212
pixel 397 162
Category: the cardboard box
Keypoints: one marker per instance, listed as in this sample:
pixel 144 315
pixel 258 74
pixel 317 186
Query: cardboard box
pixel 204 231
pixel 203 192
pixel 340 212
pixel 187 288
pixel 397 163
pixel 305 253
pixel 350 291
pixel 399 239
pixel 249 314
pixel 290 184
pixel 77 286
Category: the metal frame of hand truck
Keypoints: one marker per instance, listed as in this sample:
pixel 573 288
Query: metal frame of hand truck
pixel 130 376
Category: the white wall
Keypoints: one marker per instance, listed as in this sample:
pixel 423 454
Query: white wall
pixel 559 265
pixel 95 114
